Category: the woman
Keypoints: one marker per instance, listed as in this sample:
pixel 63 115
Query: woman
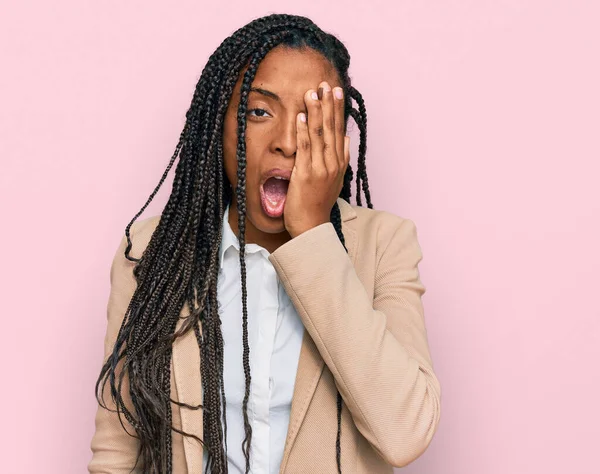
pixel 328 368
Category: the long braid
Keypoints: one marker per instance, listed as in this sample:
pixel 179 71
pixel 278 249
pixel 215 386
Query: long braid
pixel 360 117
pixel 336 220
pixel 180 264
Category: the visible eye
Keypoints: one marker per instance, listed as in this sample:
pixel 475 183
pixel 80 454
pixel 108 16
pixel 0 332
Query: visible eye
pixel 258 110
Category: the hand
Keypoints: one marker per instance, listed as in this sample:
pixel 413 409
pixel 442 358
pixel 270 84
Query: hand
pixel 322 157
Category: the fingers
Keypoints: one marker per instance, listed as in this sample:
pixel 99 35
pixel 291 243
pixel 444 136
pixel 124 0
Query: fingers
pixel 340 129
pixel 330 147
pixel 315 129
pixel 322 143
pixel 303 146
pixel 346 152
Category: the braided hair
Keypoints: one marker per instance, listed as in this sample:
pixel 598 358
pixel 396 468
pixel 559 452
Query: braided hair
pixel 181 261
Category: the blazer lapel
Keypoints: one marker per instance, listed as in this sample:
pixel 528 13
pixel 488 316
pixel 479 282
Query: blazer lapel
pixel 311 364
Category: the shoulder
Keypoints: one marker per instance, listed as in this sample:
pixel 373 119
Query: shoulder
pixel 381 225
pixel 387 241
pixel 140 234
pixel 376 226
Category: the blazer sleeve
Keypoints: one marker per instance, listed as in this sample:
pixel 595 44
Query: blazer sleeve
pixel 114 451
pixel 376 349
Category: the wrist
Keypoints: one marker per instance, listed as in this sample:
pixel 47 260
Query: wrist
pixel 298 230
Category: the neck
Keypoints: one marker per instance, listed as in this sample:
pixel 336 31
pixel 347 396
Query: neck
pixel 269 241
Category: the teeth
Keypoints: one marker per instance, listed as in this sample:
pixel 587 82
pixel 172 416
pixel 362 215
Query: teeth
pixel 279 177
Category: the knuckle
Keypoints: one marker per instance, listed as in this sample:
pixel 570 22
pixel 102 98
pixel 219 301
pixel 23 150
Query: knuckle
pixel 304 145
pixel 321 173
pixel 318 130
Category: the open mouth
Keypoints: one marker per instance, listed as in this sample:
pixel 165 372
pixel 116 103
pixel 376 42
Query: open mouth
pixel 273 193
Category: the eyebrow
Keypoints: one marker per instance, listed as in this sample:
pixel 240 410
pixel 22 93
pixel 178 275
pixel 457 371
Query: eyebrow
pixel 265 92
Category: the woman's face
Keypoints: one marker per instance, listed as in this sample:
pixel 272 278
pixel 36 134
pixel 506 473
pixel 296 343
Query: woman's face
pixel 284 76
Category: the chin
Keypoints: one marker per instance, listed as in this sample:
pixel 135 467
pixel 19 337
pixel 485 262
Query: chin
pixel 269 225
pixel 262 221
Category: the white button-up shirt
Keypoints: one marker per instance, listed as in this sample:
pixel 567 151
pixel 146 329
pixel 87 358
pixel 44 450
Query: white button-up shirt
pixel 274 335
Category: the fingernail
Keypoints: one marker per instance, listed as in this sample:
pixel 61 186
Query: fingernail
pixel 339 93
pixel 314 95
pixel 302 117
pixel 324 88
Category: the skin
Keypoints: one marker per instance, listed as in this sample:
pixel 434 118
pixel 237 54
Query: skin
pixel 316 151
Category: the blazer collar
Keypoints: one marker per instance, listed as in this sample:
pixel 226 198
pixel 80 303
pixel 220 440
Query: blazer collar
pixel 186 374
pixel 346 210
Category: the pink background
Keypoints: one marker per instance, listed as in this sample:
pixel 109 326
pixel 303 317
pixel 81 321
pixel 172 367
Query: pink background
pixel 484 121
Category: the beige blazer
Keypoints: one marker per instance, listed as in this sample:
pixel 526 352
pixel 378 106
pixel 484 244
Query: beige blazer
pixel 364 334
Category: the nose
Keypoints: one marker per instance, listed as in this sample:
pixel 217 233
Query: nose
pixel 285 138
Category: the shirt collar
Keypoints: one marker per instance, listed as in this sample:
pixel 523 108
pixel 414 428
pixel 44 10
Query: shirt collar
pixel 229 239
